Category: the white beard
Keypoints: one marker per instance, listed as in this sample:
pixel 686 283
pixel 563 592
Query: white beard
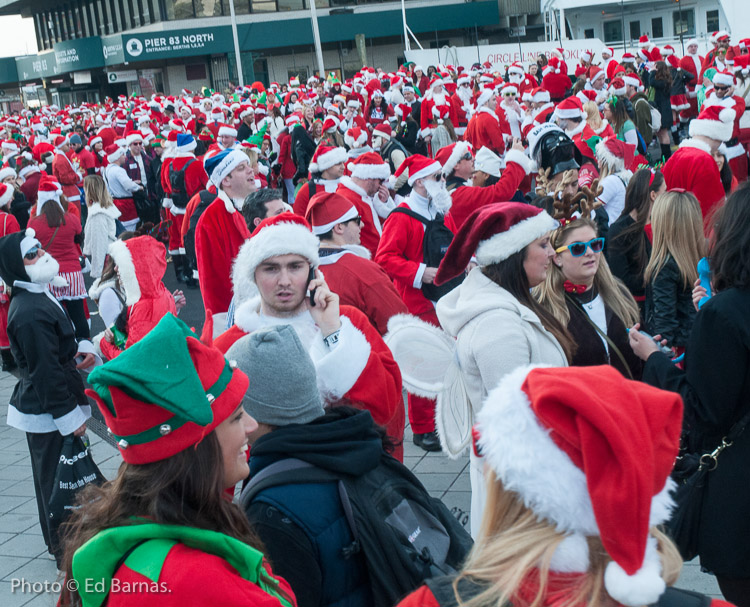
pixel 464 93
pixel 439 196
pixel 439 99
pixel 44 270
pixel 515 78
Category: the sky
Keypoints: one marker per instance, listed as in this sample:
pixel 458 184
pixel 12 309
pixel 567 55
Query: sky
pixel 18 37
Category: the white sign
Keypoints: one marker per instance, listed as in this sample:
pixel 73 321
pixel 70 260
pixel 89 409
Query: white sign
pixel 82 77
pixel 122 76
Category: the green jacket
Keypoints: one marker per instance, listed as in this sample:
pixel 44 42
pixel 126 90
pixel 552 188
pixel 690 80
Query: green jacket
pixel 642 118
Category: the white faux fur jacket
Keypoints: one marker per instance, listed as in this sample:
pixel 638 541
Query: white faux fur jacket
pixel 99 234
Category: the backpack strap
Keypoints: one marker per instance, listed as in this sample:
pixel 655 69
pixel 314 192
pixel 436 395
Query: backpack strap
pixel 677 597
pixel 411 214
pixel 442 590
pixel 311 189
pixel 284 472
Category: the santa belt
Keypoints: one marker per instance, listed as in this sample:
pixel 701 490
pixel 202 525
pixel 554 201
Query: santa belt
pixel 732 142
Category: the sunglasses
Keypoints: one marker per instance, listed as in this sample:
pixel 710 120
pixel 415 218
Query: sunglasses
pixel 721 88
pixel 32 252
pixel 357 220
pixel 436 177
pixel 137 143
pixel 509 94
pixel 467 156
pixel 577 249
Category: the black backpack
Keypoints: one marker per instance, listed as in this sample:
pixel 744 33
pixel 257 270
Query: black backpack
pixel 437 239
pixel 206 199
pixel 180 197
pixel 405 535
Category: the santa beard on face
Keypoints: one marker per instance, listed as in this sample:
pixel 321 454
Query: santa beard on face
pixel 515 78
pixel 44 270
pixel 465 93
pixel 439 195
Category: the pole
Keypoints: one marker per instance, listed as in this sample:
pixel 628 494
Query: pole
pixel 682 28
pixel 237 58
pixel 622 17
pixel 407 43
pixel 476 39
pixel 316 38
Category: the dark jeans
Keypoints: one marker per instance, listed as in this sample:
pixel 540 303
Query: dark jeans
pixel 77 312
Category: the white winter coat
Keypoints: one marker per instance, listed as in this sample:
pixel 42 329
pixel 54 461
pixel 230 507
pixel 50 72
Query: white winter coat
pixel 99 234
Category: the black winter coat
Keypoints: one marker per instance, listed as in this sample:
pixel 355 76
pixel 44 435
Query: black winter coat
pixel 621 255
pixel 662 100
pixel 715 387
pixel 669 306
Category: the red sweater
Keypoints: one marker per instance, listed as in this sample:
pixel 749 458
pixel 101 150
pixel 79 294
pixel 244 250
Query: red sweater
pixel 65 251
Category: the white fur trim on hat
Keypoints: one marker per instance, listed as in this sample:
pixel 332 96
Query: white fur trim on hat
pixel 430 169
pixel 188 147
pixel 120 254
pixel 284 238
pixel 503 245
pixel 723 79
pixel 603 155
pixel 485 96
pixel 355 143
pixel 227 130
pixel 369 171
pixel 459 150
pixel 644 587
pixel 227 165
pixel 519 158
pixel 327 160
pixel 351 213
pixel 7 196
pixel 7 172
pixel 118 153
pixel 133 137
pixel 571 113
pixel 719 130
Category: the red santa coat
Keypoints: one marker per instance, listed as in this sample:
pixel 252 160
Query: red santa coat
pixel 556 84
pixel 285 155
pixel 361 368
pixel 462 118
pixel 66 174
pixel 302 197
pixel 428 121
pixel 8 225
pixel 484 131
pixel 466 199
pixel 30 187
pixel 371 227
pixel 219 234
pixel 693 168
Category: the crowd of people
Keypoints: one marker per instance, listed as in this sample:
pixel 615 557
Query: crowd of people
pixel 537 237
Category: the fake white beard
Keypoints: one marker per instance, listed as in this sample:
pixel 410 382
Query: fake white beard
pixel 439 196
pixel 464 93
pixel 439 99
pixel 515 78
pixel 377 143
pixel 44 270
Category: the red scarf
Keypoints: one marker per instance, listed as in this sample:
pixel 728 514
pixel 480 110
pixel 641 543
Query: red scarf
pixel 561 587
pixel 573 288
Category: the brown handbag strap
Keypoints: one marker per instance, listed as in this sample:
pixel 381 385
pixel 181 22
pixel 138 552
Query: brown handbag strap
pixel 47 246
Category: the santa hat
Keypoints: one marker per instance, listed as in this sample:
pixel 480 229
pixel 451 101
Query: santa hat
pixel 325 157
pixel 632 80
pixel 383 130
pixel 719 36
pixel 539 95
pixel 167 392
pixel 217 114
pixel 435 82
pixel 9 146
pixel 114 152
pixel 331 123
pixel 563 440
pixel 355 137
pixel 185 142
pixel 369 166
pixel 586 95
pixel 617 154
pixel 493 233
pixel 133 137
pixel 450 155
pixel 488 162
pixel 222 164
pixel 418 167
pixel 93 140
pixel 327 210
pixel 617 86
pixel 60 141
pixel 743 44
pixel 627 58
pixel 510 89
pixel 283 234
pixel 570 107
pixel 668 50
pixel 644 42
pixel 463 78
pixel 6 193
pixel 691 42
pixel 723 78
pixel 587 56
pixel 558 52
pixel 403 110
pixel 715 122
pixel 643 54
pixel 742 64
pixel 609 50
pixel 6 172
pixel 49 190
pixel 554 66
pixel 484 95
pixel 226 130
pixel 595 72
pixel 516 68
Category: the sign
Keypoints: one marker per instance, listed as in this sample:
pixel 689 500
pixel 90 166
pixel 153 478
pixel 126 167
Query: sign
pixel 82 77
pixel 517 32
pixel 69 56
pixel 112 50
pixel 177 43
pixel 122 76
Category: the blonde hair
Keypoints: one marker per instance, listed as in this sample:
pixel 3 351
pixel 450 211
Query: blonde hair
pixel 96 190
pixel 677 225
pixel 513 542
pixel 551 294
pixel 593 117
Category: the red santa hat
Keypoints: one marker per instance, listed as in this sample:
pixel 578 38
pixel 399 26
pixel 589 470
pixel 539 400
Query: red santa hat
pixel 327 210
pixel 463 78
pixel 60 141
pixel 565 443
pixel 418 167
pixel 618 155
pixel 355 137
pixel 667 51
pixel 723 78
pixel 719 36
pixel 226 130
pixel 516 68
pixel 644 54
pixel 617 86
pixel 450 155
pixel 632 80
pixel 369 166
pixel 114 152
pixel 49 190
pixel 217 114
pixel 691 42
pixel 6 193
pixel 493 233
pixel 586 95
pixel 436 82
pixel 383 130
pixel 331 123
pixel 509 89
pixel 93 140
pixel 403 110
pixel 484 95
pixel 715 121
pixel 743 44
pixel 595 72
pixel 742 64
pixel 284 234
pixel 554 66
pixel 570 107
pixel 627 58
pixel 587 56
pixel 644 42
pixel 558 52
pixel 609 50
pixel 325 157
pixel 540 95
pixel 133 137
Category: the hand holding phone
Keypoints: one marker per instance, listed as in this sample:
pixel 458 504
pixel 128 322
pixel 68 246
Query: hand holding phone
pixel 310 278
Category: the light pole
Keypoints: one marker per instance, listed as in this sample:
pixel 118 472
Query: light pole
pixel 316 40
pixel 238 59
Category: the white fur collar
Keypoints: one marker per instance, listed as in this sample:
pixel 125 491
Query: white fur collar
pixel 601 128
pixel 579 129
pixel 348 183
pixel 544 108
pixel 229 203
pixel 696 144
pixel 485 110
pixel 329 185
pixel 248 318
pixel 97 209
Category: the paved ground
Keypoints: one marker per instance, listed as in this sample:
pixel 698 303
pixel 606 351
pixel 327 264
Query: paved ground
pixel 23 557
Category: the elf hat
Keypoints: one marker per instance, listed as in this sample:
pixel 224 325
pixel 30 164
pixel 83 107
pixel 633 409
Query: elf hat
pixel 166 392
pixel 383 130
pixel 49 190
pixel 418 167
pixel 114 152
pixel 715 122
pixel 327 210
pixel 369 165
pixel 222 164
pixel 450 155
pixel 227 130
pixel 570 107
pixel 355 137
pixel 723 78
pixel 493 233
pixel 488 162
pixel 563 441
pixel 283 234
pixel 185 143
pixel 617 154
pixel 325 157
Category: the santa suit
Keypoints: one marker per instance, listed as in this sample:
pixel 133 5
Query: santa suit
pixel 735 153
pixel 556 84
pixel 691 64
pixel 219 234
pixel 538 116
pixel 67 174
pixel 360 368
pixel 513 118
pixel 428 120
pixel 371 210
pixel 461 110
pixel 8 225
pixel 122 189
pixel 693 168
pixel 195 181
pixel 609 67
pixel 302 198
pixel 484 131
pixel 467 199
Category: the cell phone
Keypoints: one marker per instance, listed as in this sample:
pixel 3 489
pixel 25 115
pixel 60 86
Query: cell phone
pixel 310 278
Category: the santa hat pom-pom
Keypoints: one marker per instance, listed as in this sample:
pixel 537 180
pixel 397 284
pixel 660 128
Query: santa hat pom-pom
pixel 727 114
pixel 440 121
pixel 644 587
pixel 30 233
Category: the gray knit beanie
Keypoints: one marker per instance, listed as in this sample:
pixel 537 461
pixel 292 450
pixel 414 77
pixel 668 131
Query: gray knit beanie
pixel 283 385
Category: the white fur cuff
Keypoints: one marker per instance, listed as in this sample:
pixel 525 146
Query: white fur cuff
pixel 519 158
pixel 338 370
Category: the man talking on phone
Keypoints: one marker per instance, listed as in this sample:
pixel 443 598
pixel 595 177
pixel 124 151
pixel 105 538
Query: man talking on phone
pixel 353 363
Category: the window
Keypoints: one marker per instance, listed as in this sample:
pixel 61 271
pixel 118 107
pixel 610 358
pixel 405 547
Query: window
pixel 179 9
pixel 288 5
pixel 294 72
pixel 635 30
pixel 588 34
pixel 712 21
pixel 612 31
pixel 195 71
pixel 264 6
pixel 684 22
pixel 657 28
pixel 207 8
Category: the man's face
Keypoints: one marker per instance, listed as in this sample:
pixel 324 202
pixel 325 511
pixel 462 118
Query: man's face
pixel 336 171
pixel 492 103
pixel 274 207
pixel 226 140
pixel 282 282
pixel 371 186
pixel 630 90
pixel 185 113
pixel 723 92
pixel 598 84
pixel 351 230
pixel 465 167
pixel 240 182
pixel 692 49
pixel 65 148
pixel 408 95
pixel 136 148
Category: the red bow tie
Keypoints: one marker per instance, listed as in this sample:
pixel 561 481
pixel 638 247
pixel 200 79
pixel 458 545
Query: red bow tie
pixel 572 288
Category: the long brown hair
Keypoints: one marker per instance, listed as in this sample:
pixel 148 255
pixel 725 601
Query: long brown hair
pixel 54 213
pixel 730 245
pixel 186 489
pixel 511 276
pixel 661 72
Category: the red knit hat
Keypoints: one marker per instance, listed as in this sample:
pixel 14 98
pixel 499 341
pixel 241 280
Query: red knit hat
pixel 325 157
pixel 493 233
pixel 328 209
pixel 369 165
pixel 419 167
pixel 166 392
pixel 591 453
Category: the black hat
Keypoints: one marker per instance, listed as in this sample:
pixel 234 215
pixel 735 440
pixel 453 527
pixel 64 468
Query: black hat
pixel 12 249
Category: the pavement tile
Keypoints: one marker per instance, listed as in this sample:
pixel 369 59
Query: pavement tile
pixel 436 481
pixel 18 523
pixel 28 507
pixel 22 488
pixel 10 502
pixel 24 545
pixel 9 564
pixel 15 473
pixel 441 464
pixel 35 570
